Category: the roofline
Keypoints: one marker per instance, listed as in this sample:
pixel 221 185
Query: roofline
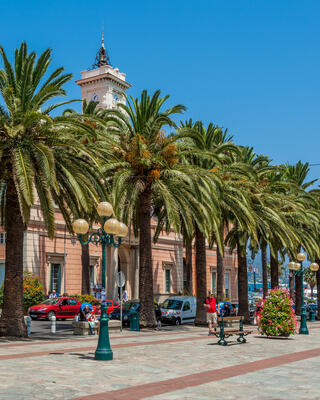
pixel 104 76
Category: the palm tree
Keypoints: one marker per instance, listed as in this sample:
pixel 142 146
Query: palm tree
pixel 92 116
pixel 264 264
pixel 39 156
pixel 207 147
pixel 311 279
pixel 306 223
pixel 148 173
pixel 267 223
pixel 318 288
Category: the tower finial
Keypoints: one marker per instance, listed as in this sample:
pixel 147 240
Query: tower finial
pixel 102 37
pixel 102 57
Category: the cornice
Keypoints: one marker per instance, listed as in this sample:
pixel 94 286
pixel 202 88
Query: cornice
pixel 105 76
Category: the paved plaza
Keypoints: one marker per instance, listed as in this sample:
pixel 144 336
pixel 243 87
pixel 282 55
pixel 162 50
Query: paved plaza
pixel 175 363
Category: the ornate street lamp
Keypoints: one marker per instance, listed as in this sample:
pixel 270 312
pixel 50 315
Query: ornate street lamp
pixel 299 270
pixel 105 236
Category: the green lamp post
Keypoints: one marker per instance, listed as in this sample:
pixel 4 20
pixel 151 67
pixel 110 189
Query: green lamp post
pixel 106 236
pixel 299 271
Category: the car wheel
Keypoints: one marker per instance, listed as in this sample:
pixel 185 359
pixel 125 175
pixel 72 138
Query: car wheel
pixel 178 321
pixel 34 318
pixel 51 314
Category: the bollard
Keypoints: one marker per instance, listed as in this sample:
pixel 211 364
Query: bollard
pixel 134 321
pixel 28 326
pixel 53 324
pixel 312 315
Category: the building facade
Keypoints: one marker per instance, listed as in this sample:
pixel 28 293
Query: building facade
pixel 58 262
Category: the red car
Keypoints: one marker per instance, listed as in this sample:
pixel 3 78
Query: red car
pixel 60 307
pixel 112 305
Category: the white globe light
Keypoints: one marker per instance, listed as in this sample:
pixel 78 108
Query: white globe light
pixel 301 257
pixel 314 266
pixel 292 265
pixel 123 230
pixel 104 209
pixel 80 226
pixel 297 267
pixel 112 226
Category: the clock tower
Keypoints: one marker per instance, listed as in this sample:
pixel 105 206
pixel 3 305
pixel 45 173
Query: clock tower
pixel 103 83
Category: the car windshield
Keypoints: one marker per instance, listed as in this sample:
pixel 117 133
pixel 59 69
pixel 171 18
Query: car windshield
pixel 50 302
pixel 130 306
pixel 172 304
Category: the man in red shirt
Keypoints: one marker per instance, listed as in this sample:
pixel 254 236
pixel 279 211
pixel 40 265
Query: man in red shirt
pixel 211 305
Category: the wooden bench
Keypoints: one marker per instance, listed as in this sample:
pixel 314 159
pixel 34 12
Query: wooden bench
pixel 227 332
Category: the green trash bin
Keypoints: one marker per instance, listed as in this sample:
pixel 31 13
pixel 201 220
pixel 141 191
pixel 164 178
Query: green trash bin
pixel 312 315
pixel 134 321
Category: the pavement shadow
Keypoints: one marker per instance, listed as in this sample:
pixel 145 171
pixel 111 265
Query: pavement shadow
pixel 88 356
pixel 273 337
pixel 229 344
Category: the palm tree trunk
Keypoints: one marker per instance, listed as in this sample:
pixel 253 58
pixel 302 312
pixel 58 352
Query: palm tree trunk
pixel 291 285
pixel 274 266
pixel 147 313
pixel 298 282
pixel 220 276
pixel 201 276
pixel 189 266
pixel 264 263
pixel 243 285
pixel 318 289
pixel 85 261
pixel 12 321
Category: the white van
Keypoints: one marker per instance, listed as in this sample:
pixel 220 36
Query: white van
pixel 179 310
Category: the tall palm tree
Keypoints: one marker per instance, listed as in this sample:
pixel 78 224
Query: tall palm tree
pixel 148 172
pixel 318 288
pixel 311 279
pixel 92 116
pixel 306 223
pixel 207 147
pixel 41 157
pixel 267 221
pixel 264 264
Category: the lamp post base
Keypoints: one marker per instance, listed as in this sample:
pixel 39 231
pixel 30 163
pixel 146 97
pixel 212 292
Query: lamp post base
pixel 103 355
pixel 103 351
pixel 303 325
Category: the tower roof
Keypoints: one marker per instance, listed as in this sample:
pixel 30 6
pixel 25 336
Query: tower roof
pixel 102 57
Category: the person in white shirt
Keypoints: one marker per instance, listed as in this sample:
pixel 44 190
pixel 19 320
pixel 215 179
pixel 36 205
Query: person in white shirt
pixel 125 296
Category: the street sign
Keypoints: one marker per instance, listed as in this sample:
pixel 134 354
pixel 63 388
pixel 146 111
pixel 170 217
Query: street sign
pixel 120 278
pixel 120 281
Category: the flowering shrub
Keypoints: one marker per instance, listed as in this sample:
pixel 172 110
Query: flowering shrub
pixel 277 316
pixel 85 298
pixel 33 292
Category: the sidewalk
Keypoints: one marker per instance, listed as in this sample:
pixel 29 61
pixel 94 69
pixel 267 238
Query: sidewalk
pixel 167 365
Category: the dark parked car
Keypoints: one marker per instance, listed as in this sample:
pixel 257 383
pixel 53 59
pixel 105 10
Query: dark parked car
pixel 127 308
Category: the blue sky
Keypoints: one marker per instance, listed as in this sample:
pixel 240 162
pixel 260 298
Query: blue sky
pixel 250 66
